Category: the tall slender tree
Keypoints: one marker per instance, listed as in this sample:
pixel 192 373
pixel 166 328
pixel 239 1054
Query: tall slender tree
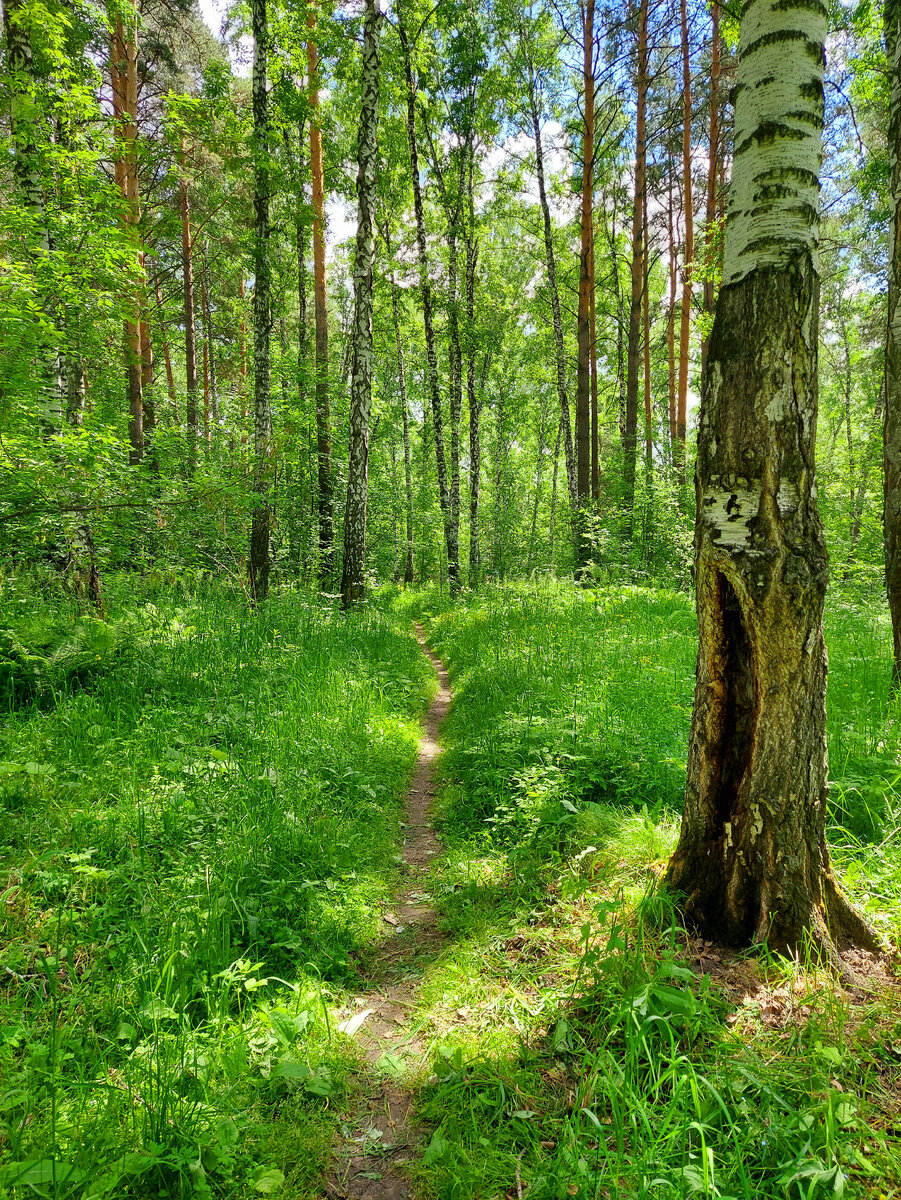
pixel 688 249
pixel 892 386
pixel 352 582
pixel 586 253
pixel 323 414
pixel 124 81
pixel 752 862
pixel 262 311
pixel 451 529
pixel 633 349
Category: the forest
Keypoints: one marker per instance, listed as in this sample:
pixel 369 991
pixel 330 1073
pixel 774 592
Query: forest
pixel 450 599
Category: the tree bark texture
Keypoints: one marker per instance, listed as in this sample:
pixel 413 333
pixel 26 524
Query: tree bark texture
pixel 583 326
pixel 559 346
pixel 27 171
pixel 713 163
pixel 689 245
pixel 752 862
pixel 124 82
pixel 473 401
pixel 352 582
pixel 261 518
pixel 892 443
pixel 323 415
pixel 633 347
pixel 187 275
pixel 425 287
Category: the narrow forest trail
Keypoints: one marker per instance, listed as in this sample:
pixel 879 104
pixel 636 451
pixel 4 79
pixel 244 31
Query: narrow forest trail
pixel 378 1139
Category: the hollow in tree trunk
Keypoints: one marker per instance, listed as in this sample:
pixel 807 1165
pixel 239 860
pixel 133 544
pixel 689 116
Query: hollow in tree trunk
pixel 752 863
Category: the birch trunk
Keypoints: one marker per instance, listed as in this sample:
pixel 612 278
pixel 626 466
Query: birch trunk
pixel 259 565
pixel 323 415
pixel 713 160
pixel 29 184
pixel 583 368
pixel 689 246
pixel 352 582
pixel 633 350
pixel 474 403
pixel 892 444
pixel 752 862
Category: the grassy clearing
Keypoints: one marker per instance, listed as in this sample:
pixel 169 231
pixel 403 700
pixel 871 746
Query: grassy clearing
pixel 199 815
pixel 584 1045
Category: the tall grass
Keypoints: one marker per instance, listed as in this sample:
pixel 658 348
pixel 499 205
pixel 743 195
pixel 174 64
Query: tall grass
pixel 630 1074
pixel 197 834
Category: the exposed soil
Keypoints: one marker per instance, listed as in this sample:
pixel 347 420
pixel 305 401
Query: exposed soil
pixel 380 1139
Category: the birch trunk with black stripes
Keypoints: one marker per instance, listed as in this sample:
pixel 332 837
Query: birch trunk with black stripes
pixel 352 581
pixel 752 862
pixel 892 390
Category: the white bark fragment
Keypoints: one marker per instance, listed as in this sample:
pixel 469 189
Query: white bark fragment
pixel 778 119
pixel 729 512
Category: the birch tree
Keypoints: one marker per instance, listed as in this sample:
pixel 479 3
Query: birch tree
pixel 752 861
pixel 352 585
pixel 262 318
pixel 892 389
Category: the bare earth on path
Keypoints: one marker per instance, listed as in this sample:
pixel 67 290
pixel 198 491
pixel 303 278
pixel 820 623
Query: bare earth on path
pixel 369 1163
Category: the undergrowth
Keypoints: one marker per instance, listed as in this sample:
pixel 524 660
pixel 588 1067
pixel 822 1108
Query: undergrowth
pixel 199 815
pixel 602 1051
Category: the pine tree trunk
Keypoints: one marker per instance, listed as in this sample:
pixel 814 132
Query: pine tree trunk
pixel 892 445
pixel 167 356
pixel 752 862
pixel 187 275
pixel 323 415
pixel 352 582
pixel 583 328
pixel 713 162
pixel 259 565
pixel 689 247
pixel 633 351
pixel 425 287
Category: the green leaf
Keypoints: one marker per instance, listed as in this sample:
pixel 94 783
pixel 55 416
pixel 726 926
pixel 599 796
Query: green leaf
pixel 289 1069
pixel 267 1181
pixel 436 1149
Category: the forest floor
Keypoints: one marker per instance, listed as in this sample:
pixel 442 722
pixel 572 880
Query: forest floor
pixel 381 1136
pixel 235 961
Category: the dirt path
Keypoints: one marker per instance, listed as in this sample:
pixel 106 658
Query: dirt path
pixel 378 1139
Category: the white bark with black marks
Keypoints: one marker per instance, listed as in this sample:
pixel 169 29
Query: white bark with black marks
pixel 352 582
pixel 774 204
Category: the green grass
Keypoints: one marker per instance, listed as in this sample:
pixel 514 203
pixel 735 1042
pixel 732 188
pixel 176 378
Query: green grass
pixel 199 830
pixel 199 827
pixel 596 1059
